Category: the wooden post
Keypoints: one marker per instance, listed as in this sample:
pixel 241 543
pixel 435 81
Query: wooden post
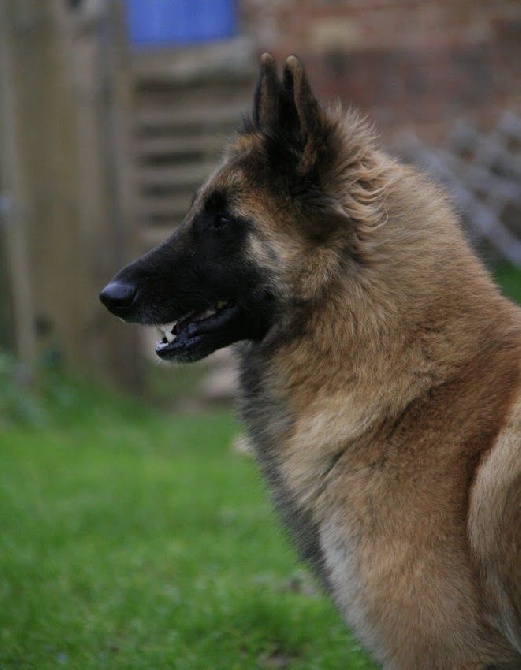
pixel 62 223
pixel 15 198
pixel 104 230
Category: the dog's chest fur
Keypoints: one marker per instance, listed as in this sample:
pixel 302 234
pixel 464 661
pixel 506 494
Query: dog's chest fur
pixel 378 511
pixel 299 476
pixel 302 457
pixel 269 423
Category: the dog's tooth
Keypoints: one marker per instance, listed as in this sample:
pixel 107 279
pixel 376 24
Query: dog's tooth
pixel 167 332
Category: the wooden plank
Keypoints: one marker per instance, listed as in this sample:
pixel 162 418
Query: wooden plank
pixel 484 218
pixel 228 60
pixel 123 343
pixel 174 206
pixel 479 179
pixel 101 344
pixel 150 237
pixel 17 195
pixel 202 143
pixel 195 95
pixel 169 223
pixel 170 117
pixel 178 178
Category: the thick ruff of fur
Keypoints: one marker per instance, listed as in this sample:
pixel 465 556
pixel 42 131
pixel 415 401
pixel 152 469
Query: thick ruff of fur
pixel 383 396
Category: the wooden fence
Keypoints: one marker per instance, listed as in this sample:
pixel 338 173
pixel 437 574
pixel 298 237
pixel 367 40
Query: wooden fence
pixel 60 224
pixel 102 148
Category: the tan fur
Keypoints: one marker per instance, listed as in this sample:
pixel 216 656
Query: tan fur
pixel 380 374
pixel 392 419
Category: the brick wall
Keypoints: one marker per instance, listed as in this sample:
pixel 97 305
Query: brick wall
pixel 408 63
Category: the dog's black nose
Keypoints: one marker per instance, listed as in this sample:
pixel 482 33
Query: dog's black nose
pixel 118 295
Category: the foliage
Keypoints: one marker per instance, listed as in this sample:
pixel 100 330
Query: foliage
pixel 19 404
pixel 509 279
pixel 40 400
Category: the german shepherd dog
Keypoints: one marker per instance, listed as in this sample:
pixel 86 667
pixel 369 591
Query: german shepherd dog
pixel 380 373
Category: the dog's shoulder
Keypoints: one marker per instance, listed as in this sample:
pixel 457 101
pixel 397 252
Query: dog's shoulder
pixel 495 524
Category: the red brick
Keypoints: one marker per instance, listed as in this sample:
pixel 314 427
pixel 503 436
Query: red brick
pixel 409 63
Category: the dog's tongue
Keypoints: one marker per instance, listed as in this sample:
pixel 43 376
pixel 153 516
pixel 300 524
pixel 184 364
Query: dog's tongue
pixel 192 318
pixel 188 324
pixel 183 324
pixel 170 331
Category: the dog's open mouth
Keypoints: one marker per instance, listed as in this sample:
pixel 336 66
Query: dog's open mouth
pixel 198 334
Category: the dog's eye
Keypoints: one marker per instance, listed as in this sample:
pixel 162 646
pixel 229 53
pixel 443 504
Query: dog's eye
pixel 220 221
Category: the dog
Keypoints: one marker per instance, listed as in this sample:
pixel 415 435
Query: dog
pixel 379 373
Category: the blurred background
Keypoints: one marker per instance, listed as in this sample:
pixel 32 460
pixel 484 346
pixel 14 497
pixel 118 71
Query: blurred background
pixel 131 537
pixel 112 111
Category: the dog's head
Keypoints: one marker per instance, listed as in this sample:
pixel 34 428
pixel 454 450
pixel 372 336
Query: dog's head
pixel 265 233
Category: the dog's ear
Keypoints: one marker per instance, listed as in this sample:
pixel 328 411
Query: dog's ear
pixel 295 128
pixel 301 113
pixel 297 89
pixel 266 104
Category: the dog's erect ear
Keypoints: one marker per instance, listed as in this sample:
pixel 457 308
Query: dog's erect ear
pixel 302 114
pixel 266 104
pixel 295 128
pixel 301 97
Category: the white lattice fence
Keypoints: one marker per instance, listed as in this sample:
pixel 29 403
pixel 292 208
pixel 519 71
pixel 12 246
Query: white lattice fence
pixel 483 174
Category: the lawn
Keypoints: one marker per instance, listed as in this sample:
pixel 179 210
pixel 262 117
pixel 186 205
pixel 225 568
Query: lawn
pixel 509 278
pixel 134 540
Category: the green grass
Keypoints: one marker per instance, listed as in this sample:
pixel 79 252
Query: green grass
pixel 509 278
pixel 131 540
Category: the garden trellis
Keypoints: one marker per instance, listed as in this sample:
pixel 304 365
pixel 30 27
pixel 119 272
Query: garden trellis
pixel 482 172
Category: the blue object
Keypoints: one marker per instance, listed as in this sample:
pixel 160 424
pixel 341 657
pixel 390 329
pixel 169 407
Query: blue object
pixel 155 23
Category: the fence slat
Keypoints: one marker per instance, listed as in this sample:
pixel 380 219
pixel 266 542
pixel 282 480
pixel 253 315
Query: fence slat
pixel 15 198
